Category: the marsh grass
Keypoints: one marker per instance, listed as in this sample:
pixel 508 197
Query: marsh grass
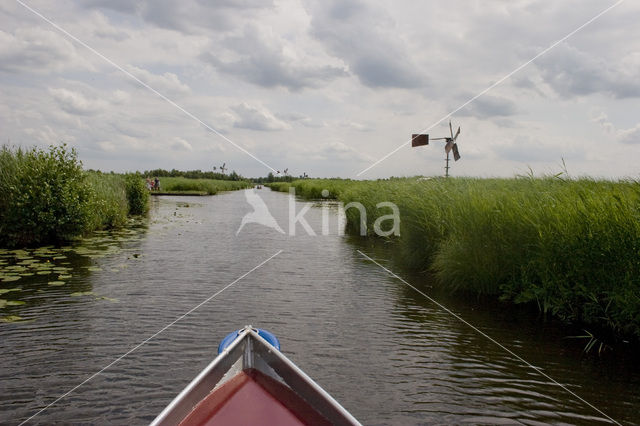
pixel 200 186
pixel 571 246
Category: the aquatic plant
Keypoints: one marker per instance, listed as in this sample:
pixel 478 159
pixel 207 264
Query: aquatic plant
pixel 137 194
pixel 571 246
pixel 205 186
pixel 45 196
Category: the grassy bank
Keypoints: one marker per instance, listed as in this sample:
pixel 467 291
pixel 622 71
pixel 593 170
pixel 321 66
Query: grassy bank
pixel 186 186
pixel 48 198
pixel 570 246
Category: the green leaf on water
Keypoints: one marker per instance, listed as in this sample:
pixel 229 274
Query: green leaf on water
pixel 15 303
pixel 26 274
pixel 3 303
pixel 9 278
pixel 10 318
pixel 59 257
pixel 64 277
pixel 44 272
pixel 94 268
pixel 7 290
pixel 81 293
pixel 56 283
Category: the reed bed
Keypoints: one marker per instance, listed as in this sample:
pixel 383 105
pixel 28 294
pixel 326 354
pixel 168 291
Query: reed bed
pixel 571 246
pixel 201 186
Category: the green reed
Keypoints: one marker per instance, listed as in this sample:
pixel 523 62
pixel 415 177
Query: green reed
pixel 572 246
pixel 204 186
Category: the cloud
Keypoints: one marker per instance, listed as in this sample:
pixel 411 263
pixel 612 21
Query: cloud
pixel 337 150
pixel 180 144
pixel 167 83
pixel 255 117
pixel 629 136
pixel 571 72
pixel 187 16
pixel 267 60
pixel 34 50
pixel 76 103
pixel 306 121
pixel 488 106
pixel 368 41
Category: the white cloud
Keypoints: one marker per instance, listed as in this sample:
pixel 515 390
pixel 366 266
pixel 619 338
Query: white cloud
pixel 256 117
pixel 180 144
pixel 76 103
pixel 166 83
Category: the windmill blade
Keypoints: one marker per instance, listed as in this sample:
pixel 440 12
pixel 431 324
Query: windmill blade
pixel 223 164
pixel 448 146
pixel 451 129
pixel 457 133
pixel 456 154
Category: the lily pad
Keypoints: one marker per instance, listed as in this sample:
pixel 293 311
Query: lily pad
pixel 56 283
pixel 9 278
pixel 7 290
pixel 10 318
pixel 26 274
pixel 64 277
pixel 94 268
pixel 59 257
pixel 44 272
pixel 81 293
pixel 15 303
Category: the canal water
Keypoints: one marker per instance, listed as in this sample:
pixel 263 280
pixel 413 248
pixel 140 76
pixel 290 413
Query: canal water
pixel 385 352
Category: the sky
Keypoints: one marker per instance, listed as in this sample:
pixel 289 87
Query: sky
pixel 325 87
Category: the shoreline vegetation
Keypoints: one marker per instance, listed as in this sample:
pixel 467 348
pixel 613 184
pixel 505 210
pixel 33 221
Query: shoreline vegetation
pixel 198 186
pixel 569 246
pixel 47 198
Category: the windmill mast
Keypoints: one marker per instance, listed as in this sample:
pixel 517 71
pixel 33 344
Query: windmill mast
pixel 446 167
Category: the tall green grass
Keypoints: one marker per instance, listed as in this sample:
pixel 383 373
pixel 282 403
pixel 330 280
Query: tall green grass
pixel 570 246
pixel 208 186
pixel 46 197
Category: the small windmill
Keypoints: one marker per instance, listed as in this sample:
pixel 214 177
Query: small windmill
pixel 450 145
pixel 223 168
pixel 285 171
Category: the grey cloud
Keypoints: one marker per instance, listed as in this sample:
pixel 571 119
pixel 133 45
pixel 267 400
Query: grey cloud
pixel 256 118
pixel 35 50
pixel 571 72
pixel 488 106
pixel 265 64
pixel 368 42
pixel 186 16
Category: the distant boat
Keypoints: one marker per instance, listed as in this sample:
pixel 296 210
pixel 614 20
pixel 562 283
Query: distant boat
pixel 259 187
pixel 251 382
